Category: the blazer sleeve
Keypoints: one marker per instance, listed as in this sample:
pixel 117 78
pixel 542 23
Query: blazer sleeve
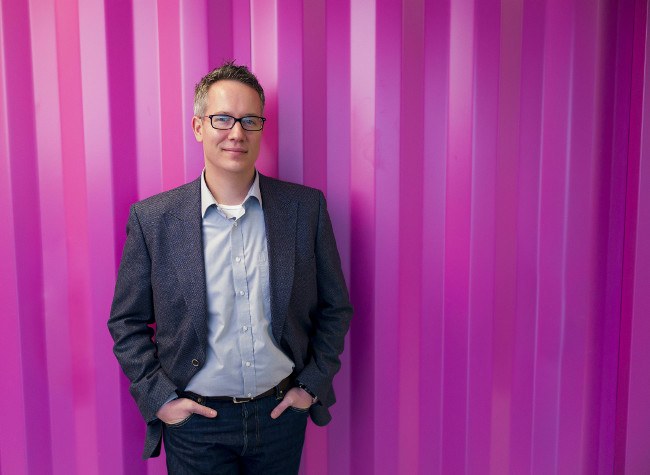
pixel 334 310
pixel 132 315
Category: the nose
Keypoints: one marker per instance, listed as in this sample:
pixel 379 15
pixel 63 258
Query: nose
pixel 237 132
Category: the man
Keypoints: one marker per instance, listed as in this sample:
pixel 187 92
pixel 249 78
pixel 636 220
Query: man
pixel 241 276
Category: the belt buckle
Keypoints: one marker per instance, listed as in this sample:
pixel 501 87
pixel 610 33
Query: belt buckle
pixel 241 400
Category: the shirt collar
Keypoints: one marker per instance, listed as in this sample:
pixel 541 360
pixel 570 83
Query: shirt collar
pixel 208 200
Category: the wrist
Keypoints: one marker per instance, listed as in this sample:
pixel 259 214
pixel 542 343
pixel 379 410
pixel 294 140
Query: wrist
pixel 304 387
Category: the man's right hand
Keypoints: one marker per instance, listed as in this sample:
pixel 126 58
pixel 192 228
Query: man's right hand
pixel 180 409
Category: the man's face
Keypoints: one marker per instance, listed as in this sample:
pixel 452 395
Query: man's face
pixel 234 151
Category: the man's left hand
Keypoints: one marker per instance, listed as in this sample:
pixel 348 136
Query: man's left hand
pixel 295 397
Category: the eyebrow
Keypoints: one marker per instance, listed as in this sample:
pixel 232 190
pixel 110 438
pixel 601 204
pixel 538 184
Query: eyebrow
pixel 231 114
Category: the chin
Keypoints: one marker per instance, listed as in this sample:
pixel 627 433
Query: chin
pixel 238 168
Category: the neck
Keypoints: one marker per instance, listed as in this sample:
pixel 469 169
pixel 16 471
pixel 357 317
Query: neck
pixel 231 189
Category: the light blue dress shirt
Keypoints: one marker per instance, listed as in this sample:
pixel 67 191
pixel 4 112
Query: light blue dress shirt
pixel 243 358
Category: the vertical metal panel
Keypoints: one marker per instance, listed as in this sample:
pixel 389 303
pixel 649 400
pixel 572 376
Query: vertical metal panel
pixel 13 444
pixel 485 164
pixel 339 155
pixel 633 414
pixel 363 238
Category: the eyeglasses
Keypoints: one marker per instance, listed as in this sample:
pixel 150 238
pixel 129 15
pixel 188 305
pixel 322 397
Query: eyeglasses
pixel 252 123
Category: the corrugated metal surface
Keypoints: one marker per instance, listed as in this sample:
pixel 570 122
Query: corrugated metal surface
pixel 486 167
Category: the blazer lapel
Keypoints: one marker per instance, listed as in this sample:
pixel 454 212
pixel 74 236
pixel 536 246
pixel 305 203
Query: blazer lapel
pixel 280 215
pixel 186 252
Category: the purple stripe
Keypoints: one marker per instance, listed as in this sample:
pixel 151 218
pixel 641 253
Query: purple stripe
pixel 411 143
pixel 483 240
pixel 633 388
pixel 505 260
pixel 339 197
pixel 386 251
pixel 436 76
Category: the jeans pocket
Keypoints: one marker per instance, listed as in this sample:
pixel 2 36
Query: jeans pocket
pixel 299 409
pixel 180 423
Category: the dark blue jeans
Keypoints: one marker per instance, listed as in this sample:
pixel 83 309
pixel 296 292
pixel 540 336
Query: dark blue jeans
pixel 242 439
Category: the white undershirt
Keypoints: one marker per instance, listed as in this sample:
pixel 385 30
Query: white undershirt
pixel 232 211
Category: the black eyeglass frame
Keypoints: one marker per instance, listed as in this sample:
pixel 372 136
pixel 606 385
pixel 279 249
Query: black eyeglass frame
pixel 236 119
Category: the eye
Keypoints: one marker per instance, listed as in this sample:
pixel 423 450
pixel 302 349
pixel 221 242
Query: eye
pixel 251 121
pixel 221 119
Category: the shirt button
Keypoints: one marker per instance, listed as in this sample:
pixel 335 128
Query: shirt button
pixel 249 395
pixel 245 328
pixel 248 363
pixel 241 292
pixel 235 224
pixel 237 259
pixel 195 362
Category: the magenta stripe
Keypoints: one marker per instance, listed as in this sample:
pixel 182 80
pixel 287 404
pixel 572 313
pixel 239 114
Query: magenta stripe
pixel 241 31
pixel 527 238
pixel 457 236
pixel 363 425
pixel 221 14
pixel 314 163
pixel 339 136
pixel 147 110
pixel 339 197
pixel 505 260
pixel 290 91
pixel 264 58
pixel 77 239
pixel 100 166
pixel 609 243
pixel 632 383
pixel 577 368
pixel 551 298
pixel 314 83
pixel 386 252
pixel 411 145
pixel 55 270
pixel 171 106
pixel 482 248
pixel 13 443
pixel 637 457
pixel 27 246
pixel 194 65
pixel 436 76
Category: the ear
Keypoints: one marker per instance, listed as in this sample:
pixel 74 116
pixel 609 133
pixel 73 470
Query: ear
pixel 197 128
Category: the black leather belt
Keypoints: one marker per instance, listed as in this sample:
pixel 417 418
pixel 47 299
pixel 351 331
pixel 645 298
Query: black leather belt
pixel 278 391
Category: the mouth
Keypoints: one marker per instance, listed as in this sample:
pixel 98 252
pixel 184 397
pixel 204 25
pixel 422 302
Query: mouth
pixel 234 150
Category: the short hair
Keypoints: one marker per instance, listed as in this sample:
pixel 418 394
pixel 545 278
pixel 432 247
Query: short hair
pixel 227 71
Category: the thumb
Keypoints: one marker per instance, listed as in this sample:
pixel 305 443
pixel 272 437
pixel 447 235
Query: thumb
pixel 203 410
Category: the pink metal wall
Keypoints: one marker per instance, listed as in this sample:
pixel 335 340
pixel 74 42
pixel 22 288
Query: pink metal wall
pixel 487 166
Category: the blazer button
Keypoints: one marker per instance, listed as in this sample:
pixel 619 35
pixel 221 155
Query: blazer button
pixel 195 362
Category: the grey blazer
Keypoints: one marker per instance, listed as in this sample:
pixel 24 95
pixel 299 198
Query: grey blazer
pixel 161 280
